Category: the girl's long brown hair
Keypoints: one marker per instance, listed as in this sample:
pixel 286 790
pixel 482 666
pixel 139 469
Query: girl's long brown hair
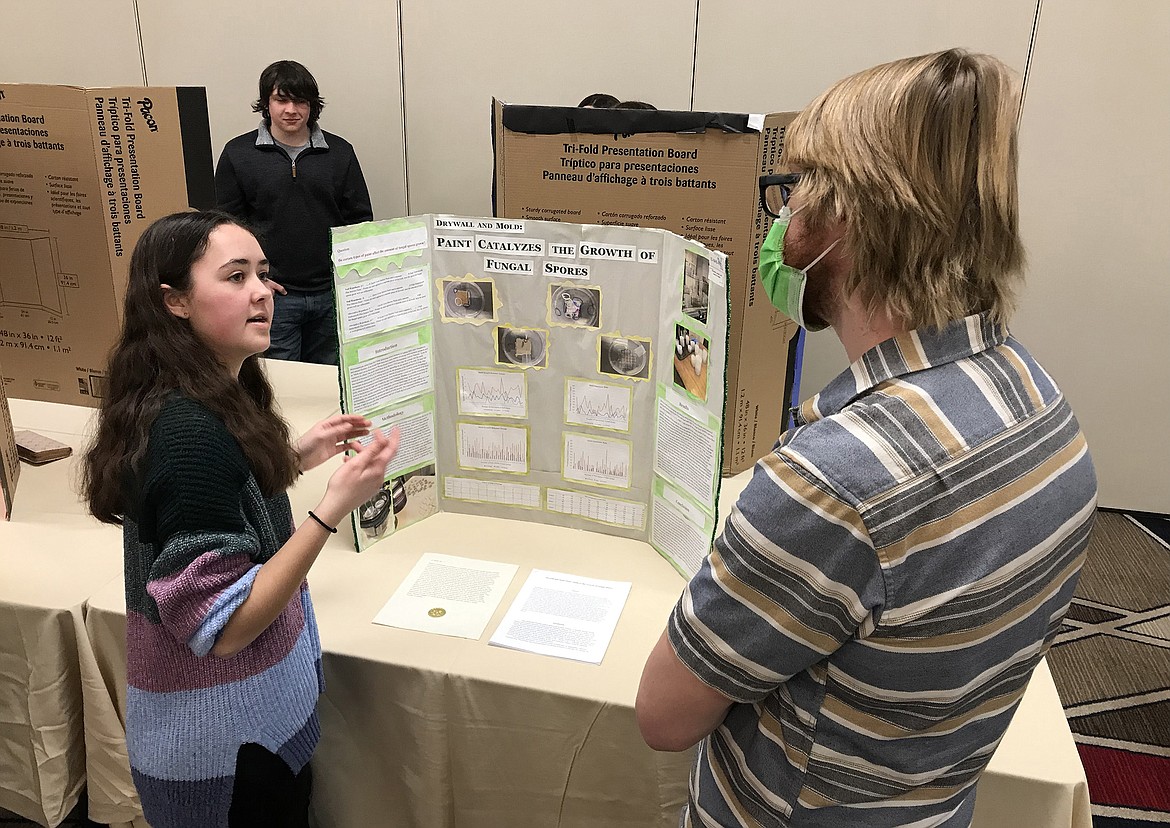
pixel 157 355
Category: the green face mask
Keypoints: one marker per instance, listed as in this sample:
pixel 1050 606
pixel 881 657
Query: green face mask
pixel 784 283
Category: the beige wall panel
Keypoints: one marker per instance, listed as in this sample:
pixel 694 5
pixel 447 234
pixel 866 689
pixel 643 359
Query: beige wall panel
pixel 1095 208
pixel 824 358
pixel 350 47
pixel 457 56
pixel 769 56
pixel 67 42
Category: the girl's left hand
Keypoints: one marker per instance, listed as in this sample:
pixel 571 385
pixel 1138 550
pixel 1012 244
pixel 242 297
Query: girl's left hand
pixel 329 437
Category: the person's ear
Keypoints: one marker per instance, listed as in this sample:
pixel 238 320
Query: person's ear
pixel 175 302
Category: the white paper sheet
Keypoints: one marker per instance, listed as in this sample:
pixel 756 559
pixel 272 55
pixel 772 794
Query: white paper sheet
pixel 686 451
pixel 416 435
pixel 448 595
pixel 679 529
pixel 384 302
pixel 390 371
pixel 383 244
pixel 567 616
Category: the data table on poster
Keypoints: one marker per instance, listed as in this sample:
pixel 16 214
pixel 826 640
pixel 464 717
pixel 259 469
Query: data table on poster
pixel 602 509
pixel 490 491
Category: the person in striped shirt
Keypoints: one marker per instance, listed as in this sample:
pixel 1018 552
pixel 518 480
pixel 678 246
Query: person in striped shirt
pixel 856 643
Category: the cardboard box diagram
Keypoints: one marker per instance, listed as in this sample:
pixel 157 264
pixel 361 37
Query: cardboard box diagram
pixel 32 276
pixel 693 173
pixel 82 173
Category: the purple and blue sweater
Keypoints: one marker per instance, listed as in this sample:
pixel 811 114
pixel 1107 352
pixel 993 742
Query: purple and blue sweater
pixel 194 538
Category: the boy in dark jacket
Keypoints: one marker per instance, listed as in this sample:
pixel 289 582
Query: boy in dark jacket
pixel 291 182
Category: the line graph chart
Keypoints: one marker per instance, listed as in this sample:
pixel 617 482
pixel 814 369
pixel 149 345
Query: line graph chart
pixel 598 404
pixel 495 393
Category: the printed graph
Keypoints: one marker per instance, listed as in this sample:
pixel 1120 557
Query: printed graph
pixel 498 448
pixel 596 460
pixel 598 404
pixel 601 509
pixel 499 393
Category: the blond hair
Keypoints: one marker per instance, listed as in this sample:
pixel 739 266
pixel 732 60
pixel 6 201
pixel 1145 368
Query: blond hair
pixel 918 159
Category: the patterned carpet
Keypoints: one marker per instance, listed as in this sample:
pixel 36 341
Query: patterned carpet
pixel 1111 664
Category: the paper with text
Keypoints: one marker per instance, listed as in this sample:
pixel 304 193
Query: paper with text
pixel 567 616
pixel 448 595
pixel 687 450
pixel 384 302
pixel 679 529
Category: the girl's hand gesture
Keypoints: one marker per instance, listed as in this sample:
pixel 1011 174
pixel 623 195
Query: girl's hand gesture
pixel 329 437
pixel 360 476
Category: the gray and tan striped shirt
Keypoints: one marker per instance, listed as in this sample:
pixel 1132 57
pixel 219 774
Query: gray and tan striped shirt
pixel 885 585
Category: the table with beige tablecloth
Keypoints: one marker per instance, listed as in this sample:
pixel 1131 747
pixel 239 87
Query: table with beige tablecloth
pixel 438 732
pixel 423 730
pixel 52 558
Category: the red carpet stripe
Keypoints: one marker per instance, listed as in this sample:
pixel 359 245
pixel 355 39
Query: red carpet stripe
pixel 1119 777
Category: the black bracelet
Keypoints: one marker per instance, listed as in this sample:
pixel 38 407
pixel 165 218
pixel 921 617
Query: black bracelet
pixel 324 525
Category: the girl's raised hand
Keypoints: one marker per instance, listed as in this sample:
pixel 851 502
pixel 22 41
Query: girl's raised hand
pixel 331 436
pixel 360 476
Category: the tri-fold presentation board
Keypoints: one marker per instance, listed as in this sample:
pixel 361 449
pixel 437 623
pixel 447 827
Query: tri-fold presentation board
pixel 693 173
pixel 562 373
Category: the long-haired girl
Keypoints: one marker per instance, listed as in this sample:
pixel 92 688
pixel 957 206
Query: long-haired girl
pixel 192 459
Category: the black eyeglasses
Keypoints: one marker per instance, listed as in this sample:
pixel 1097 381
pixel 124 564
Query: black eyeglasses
pixel 775 190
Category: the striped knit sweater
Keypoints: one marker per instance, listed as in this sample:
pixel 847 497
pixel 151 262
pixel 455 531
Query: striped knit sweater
pixel 195 537
pixel 885 586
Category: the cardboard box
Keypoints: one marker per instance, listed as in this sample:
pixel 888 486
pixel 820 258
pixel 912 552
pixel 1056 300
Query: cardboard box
pixel 694 173
pixel 9 458
pixel 82 173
